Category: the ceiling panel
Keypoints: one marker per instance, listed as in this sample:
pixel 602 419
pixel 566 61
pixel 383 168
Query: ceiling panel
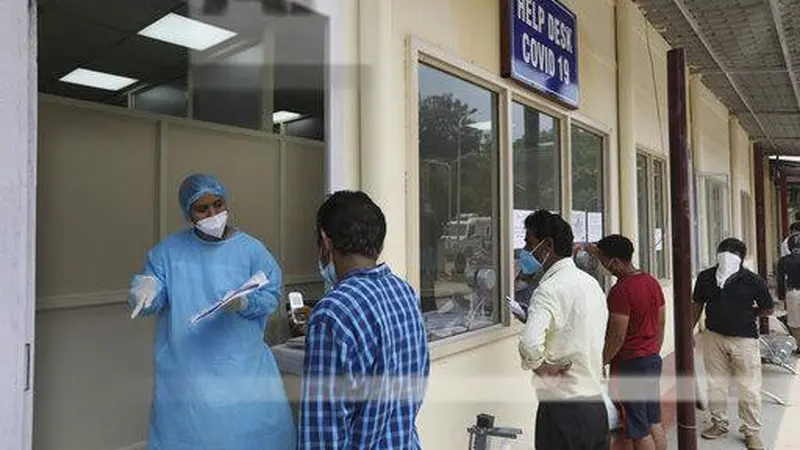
pixel 781 125
pixel 718 84
pixel 768 91
pixel 141 58
pixel 744 36
pixel 123 15
pixel 65 42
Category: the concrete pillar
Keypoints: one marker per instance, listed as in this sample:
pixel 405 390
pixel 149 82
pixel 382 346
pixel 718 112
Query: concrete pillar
pixel 626 65
pixel 18 229
pixel 383 149
pixel 342 159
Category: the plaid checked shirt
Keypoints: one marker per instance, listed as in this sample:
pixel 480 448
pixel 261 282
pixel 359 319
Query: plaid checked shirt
pixel 366 366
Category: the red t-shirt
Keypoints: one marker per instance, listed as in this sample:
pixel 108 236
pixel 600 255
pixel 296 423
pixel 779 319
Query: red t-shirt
pixel 639 297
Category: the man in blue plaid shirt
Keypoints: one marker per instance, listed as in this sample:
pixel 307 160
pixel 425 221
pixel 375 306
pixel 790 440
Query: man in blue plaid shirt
pixel 366 361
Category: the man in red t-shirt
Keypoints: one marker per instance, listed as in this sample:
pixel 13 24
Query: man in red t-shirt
pixel 633 343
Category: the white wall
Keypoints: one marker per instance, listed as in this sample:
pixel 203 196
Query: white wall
pixel 480 372
pixel 468 30
pixel 108 192
pixel 17 232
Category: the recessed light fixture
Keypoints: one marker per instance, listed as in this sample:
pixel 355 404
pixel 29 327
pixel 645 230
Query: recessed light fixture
pixel 285 116
pixel 99 80
pixel 186 32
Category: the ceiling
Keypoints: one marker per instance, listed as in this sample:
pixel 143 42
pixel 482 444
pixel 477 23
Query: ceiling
pixel 748 54
pixel 102 35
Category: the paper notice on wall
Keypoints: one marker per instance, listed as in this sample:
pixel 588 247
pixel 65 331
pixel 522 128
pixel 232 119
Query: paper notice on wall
pixel 579 225
pixel 595 226
pixel 658 237
pixel 519 226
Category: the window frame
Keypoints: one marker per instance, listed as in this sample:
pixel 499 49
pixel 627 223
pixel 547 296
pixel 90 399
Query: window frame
pixel 605 184
pixel 652 158
pixel 708 248
pixel 747 218
pixel 421 52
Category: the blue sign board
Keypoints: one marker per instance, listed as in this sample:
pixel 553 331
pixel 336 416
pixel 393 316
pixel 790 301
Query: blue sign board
pixel 540 48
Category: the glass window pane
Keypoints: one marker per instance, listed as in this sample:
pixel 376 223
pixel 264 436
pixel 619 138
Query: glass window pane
pixel 587 193
pixel 660 219
pixel 459 201
pixel 643 208
pixel 536 144
pixel 715 209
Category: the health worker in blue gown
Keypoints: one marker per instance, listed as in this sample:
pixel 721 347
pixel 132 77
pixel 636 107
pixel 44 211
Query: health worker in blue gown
pixel 217 386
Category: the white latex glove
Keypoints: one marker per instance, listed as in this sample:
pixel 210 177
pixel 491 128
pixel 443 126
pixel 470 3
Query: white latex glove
pixel 236 305
pixel 144 292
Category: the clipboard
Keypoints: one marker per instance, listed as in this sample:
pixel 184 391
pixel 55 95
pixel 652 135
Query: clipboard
pixel 255 283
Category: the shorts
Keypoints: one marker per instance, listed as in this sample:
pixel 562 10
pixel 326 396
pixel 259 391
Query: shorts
pixel 637 389
pixel 575 424
pixel 793 309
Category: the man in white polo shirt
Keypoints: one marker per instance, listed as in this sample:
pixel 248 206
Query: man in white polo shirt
pixel 563 340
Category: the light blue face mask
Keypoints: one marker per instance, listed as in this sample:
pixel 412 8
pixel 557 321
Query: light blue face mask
pixel 529 264
pixel 328 273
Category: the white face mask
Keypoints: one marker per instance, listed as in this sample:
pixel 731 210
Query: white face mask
pixel 727 265
pixel 213 226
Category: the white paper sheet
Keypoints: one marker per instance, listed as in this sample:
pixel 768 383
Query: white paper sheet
pixel 255 283
pixel 579 225
pixel 595 226
pixel 519 227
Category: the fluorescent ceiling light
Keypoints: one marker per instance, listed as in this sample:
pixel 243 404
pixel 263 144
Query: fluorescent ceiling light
pixel 99 80
pixel 186 32
pixel 284 116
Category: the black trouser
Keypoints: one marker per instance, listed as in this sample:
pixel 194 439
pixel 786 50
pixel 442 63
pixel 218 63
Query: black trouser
pixel 577 424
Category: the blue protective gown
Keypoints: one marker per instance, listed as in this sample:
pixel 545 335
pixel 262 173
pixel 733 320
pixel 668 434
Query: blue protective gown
pixel 217 386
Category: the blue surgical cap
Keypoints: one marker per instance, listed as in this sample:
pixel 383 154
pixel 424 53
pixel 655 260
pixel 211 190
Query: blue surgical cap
pixel 196 186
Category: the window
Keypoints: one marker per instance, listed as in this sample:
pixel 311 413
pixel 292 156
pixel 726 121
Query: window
pixel 651 184
pixel 587 192
pixel 747 220
pixel 716 194
pixel 536 144
pixel 459 204
pixel 659 218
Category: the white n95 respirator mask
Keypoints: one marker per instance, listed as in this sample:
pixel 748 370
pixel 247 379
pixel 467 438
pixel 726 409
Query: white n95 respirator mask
pixel 213 226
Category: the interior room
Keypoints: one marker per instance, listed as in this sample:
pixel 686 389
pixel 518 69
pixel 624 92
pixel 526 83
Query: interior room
pixel 134 96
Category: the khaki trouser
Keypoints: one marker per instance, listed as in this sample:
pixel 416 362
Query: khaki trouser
pixel 734 359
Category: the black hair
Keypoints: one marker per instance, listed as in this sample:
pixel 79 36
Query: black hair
pixel 733 245
pixel 353 222
pixel 794 227
pixel 616 246
pixel 544 224
pixel 797 216
pixel 793 242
